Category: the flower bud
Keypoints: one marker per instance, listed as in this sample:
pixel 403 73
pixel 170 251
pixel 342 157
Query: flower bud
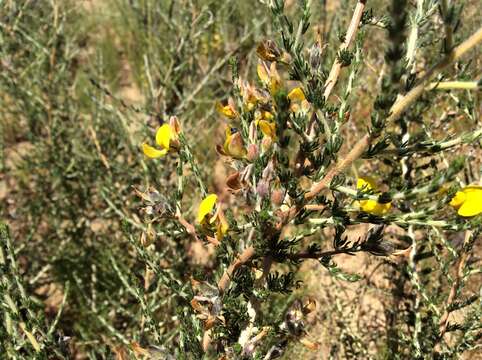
pixel 266 143
pixel 252 132
pixel 315 56
pixel 175 124
pixel 252 152
pixel 277 197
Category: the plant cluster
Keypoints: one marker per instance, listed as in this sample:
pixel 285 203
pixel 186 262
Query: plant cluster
pixel 284 141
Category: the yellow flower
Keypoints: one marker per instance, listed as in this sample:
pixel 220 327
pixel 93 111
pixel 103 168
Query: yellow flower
pixel 251 95
pixel 298 100
pixel 270 77
pixel 371 206
pixel 205 208
pixel 296 94
pixel 468 201
pixel 233 144
pixel 222 225
pixel 227 110
pixel 263 115
pixel 268 128
pixel 264 120
pixel 166 138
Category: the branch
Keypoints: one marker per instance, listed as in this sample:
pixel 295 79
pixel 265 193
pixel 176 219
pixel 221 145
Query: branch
pixel 191 230
pixel 318 255
pixel 242 259
pixel 453 85
pixel 350 35
pixel 444 319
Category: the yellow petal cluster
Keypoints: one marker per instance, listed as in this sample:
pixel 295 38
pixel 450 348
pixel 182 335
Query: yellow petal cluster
pixel 166 138
pixel 370 206
pixel 233 144
pixel 251 95
pixel 298 100
pixel 468 201
pixel 270 77
pixel 268 128
pixel 227 110
pixel 205 209
pixel 264 120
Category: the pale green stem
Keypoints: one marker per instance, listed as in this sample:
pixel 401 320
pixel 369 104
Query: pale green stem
pixel 453 85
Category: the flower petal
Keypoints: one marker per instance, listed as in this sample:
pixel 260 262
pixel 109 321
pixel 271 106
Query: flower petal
pixel 268 128
pixel 458 199
pixel 163 136
pixel 222 225
pixel 366 183
pixel 268 51
pixel 472 205
pixel 226 110
pixel 296 94
pixel 275 79
pixel 206 206
pixel 472 188
pixel 235 146
pixel 152 152
pixel 263 74
pixel 374 207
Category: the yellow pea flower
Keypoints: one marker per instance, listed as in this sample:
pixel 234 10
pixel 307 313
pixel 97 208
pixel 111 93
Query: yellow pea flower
pixel 468 201
pixel 296 94
pixel 233 144
pixel 298 100
pixel 222 225
pixel 371 206
pixel 166 138
pixel 227 110
pixel 263 115
pixel 268 128
pixel 251 95
pixel 205 208
pixel 264 120
pixel 270 77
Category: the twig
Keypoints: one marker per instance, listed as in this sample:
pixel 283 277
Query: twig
pixel 191 230
pixel 448 27
pixel 318 255
pixel 350 35
pixel 242 259
pixel 453 85
pixel 336 67
pixel 444 319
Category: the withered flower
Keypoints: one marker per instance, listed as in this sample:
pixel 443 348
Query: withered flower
pixel 268 51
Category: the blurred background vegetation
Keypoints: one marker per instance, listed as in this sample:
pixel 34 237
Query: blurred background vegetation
pixel 82 84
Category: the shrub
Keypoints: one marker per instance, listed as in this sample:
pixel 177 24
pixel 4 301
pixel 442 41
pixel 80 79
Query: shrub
pixel 335 153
